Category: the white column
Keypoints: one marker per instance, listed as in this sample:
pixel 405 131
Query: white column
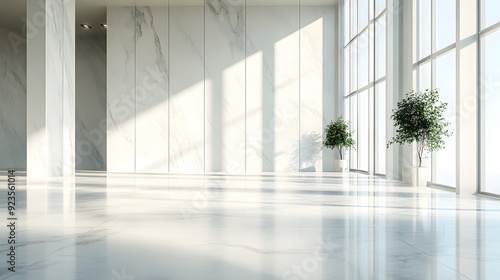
pixel 467 129
pixel 393 22
pixel 407 40
pixel 51 88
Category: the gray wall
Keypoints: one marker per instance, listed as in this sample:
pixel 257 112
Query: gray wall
pixel 12 100
pixel 91 103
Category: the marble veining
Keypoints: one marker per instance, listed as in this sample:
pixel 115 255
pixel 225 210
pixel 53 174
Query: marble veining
pixel 152 89
pixel 13 104
pixel 231 17
pixel 68 87
pixel 217 90
pixel 272 103
pixel 91 97
pixel 55 88
pixel 225 86
pixel 121 95
pixel 187 107
pixel 263 226
pixel 89 155
pixel 51 89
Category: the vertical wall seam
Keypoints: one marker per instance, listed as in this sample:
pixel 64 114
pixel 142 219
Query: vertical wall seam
pixel 169 113
pixel 480 104
pixel 169 89
pixel 417 44
pixel 62 86
pixel 135 89
pixel 246 32
pixel 204 87
pixel 458 98
pixel 374 84
pixel 432 62
pixel 300 77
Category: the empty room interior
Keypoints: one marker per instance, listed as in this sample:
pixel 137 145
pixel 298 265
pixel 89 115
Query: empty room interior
pixel 249 139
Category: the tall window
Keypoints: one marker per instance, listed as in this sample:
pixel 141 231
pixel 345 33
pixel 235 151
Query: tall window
pixel 490 95
pixel 364 81
pixel 436 69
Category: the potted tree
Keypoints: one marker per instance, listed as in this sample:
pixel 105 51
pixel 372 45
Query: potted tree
pixel 339 137
pixel 419 118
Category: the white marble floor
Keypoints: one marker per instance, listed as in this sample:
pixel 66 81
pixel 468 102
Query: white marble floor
pixel 328 226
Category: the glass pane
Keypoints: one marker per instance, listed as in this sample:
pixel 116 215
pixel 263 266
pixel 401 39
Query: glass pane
pixel 347 109
pixel 380 47
pixel 379 6
pixel 425 81
pixel 363 66
pixel 347 117
pixel 491 99
pixel 347 72
pixel 354 18
pixel 380 129
pixel 491 12
pixel 347 16
pixel 363 134
pixel 354 65
pixel 362 14
pixel 353 159
pixel 445 159
pixel 425 34
pixel 445 23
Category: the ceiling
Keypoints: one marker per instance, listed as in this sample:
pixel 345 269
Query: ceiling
pixel 93 12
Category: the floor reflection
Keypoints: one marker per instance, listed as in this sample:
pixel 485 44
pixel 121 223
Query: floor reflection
pixel 269 226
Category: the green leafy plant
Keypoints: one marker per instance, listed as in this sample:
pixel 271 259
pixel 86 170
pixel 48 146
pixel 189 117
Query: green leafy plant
pixel 419 118
pixel 338 136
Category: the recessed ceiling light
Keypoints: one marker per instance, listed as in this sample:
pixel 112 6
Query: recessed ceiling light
pixel 104 25
pixel 85 26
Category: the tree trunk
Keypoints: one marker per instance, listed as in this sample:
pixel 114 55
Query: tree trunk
pixel 340 152
pixel 420 151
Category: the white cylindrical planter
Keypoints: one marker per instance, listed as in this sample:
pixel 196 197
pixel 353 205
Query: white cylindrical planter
pixel 416 176
pixel 340 165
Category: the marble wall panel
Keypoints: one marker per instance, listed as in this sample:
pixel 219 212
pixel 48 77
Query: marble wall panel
pixel 187 72
pixel 317 86
pixel 249 87
pixel 13 100
pixel 151 90
pixel 272 88
pixel 225 86
pixel 121 101
pixel 91 103
pixel 191 89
